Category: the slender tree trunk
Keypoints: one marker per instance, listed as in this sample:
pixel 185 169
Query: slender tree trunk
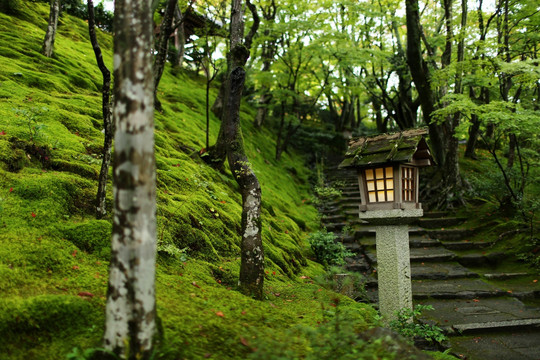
pixel 422 77
pixel 180 38
pixel 165 32
pixel 107 115
pixel 251 276
pixel 131 309
pixel 50 34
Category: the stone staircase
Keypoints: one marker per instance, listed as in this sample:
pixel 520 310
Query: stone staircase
pixel 488 313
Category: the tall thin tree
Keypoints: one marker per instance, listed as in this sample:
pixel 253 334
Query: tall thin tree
pixel 107 115
pixel 131 308
pixel 230 138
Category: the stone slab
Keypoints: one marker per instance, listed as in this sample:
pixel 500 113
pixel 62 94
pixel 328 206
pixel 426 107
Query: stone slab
pixel 509 345
pixel 481 313
pixel 431 254
pixel 454 289
pixel 440 271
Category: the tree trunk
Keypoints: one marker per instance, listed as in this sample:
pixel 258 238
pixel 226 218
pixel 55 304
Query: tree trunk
pixel 131 309
pixel 511 150
pixel 50 34
pixel 180 38
pixel 251 276
pixel 107 116
pixel 422 77
pixel 165 32
pixel 470 150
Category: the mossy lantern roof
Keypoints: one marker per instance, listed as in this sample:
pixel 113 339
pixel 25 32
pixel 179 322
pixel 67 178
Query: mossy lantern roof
pixel 406 147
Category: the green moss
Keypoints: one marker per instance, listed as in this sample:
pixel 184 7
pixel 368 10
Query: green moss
pixel 93 236
pixel 44 314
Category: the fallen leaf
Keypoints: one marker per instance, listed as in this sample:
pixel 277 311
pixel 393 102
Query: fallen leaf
pixel 33 214
pixel 244 342
pixel 476 300
pixel 244 312
pixel 10 190
pixel 85 294
pixel 195 284
pixel 534 281
pixel 75 267
pixel 220 314
pixel 2 133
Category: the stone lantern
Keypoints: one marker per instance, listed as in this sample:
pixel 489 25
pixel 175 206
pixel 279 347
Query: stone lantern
pixel 387 168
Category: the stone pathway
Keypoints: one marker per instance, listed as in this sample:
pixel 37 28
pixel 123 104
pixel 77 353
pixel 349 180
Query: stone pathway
pixel 487 314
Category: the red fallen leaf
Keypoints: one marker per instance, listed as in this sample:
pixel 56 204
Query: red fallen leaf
pixel 2 133
pixel 85 294
pixel 220 314
pixel 332 304
pixel 244 342
pixel 10 190
pixel 74 253
pixel 223 202
pixel 195 284
pixel 475 300
pixel 243 312
pixel 273 273
pixel 534 281
pixel 202 151
pixel 75 267
pixel 33 214
pixel 286 232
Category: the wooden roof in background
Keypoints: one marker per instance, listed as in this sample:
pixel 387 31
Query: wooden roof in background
pixel 408 146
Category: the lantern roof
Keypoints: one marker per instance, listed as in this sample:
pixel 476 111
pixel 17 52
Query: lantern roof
pixel 408 146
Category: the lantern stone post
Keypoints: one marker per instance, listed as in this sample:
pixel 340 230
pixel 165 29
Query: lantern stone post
pixel 388 181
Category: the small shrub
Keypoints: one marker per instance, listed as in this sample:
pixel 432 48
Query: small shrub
pixel 408 325
pixel 327 250
pixel 325 193
pixel 351 284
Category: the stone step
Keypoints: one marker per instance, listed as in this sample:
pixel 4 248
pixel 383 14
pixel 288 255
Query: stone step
pixel 351 199
pixel 435 214
pixel 466 245
pixel 434 223
pixel 514 343
pixel 431 254
pixel 440 271
pixel 466 316
pixel 348 193
pixel 487 259
pixel 450 234
pixel 357 264
pixel 335 226
pixel 454 289
pixel 353 246
pixel 332 218
pixel 422 242
pixel 417 255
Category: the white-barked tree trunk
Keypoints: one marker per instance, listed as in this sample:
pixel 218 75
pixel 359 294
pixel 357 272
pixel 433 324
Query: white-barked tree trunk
pixel 131 307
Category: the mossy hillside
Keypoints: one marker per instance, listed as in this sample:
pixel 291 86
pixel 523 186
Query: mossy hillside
pixel 54 254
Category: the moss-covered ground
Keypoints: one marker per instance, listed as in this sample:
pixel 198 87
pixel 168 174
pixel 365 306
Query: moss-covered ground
pixel 54 254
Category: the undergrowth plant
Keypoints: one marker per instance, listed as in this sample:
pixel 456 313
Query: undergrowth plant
pixel 408 325
pixel 327 250
pixel 351 284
